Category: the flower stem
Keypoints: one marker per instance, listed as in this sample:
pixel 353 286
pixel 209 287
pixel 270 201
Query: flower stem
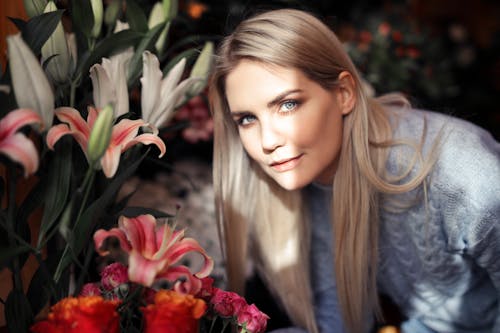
pixel 11 210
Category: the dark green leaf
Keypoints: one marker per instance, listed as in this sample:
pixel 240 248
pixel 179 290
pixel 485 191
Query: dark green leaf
pixel 83 16
pixel 136 17
pixel 18 312
pixel 136 211
pixel 41 285
pixel 147 43
pixel 8 253
pixel 19 23
pixel 108 46
pixel 39 28
pixel 57 186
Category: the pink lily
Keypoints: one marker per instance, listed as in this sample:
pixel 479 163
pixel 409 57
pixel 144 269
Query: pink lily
pixel 153 250
pixel 16 145
pixel 123 137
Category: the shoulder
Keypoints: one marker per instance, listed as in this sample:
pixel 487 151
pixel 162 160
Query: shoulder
pixel 464 183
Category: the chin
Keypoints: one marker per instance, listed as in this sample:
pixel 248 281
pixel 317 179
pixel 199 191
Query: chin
pixel 290 183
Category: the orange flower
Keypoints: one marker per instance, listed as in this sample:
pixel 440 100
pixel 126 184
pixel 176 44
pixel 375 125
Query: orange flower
pixel 195 9
pixel 173 312
pixel 91 314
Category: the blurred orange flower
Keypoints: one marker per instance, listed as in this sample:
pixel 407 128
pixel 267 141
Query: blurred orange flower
pixel 173 312
pixel 91 314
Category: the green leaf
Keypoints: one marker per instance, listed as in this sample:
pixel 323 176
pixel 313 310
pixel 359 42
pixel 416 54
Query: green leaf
pixel 57 186
pixel 42 286
pixel 83 227
pixel 108 46
pixel 18 312
pixel 83 17
pixel 147 43
pixel 38 29
pixel 135 17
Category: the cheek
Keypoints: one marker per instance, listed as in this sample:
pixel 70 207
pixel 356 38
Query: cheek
pixel 250 143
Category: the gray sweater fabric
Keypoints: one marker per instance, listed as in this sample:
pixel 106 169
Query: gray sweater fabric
pixel 439 248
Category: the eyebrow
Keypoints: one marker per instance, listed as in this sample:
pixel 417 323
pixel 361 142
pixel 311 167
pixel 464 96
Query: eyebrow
pixel 278 98
pixel 272 103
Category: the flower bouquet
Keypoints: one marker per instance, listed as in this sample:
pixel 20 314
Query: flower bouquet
pixel 151 292
pixel 89 86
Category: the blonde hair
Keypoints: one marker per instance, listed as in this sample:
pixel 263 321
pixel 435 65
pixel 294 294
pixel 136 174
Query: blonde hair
pixel 254 212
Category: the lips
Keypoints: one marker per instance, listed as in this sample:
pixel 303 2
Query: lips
pixel 286 164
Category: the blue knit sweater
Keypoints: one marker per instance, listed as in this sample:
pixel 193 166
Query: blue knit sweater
pixel 440 261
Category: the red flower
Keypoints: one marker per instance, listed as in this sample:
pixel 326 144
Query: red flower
pixel 227 303
pixel 252 319
pixel 173 312
pixel 90 314
pixel 207 289
pixel 384 28
pixel 90 289
pixel 113 275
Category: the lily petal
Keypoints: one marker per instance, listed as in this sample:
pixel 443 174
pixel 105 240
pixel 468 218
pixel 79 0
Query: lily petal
pixel 184 281
pixel 101 235
pixel 150 81
pixel 110 161
pixel 103 92
pixel 170 100
pixel 28 76
pixel 16 119
pixel 142 270
pixel 148 139
pixel 22 150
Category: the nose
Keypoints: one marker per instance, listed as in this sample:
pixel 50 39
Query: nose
pixel 270 137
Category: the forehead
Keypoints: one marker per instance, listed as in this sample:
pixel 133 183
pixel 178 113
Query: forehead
pixel 253 84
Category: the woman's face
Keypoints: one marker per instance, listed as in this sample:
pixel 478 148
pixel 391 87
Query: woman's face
pixel 291 126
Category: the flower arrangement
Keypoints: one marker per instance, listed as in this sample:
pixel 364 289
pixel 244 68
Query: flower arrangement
pixel 89 86
pixel 152 292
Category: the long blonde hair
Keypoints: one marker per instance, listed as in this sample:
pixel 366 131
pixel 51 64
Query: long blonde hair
pixel 254 212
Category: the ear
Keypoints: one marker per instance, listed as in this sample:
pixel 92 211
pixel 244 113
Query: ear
pixel 346 92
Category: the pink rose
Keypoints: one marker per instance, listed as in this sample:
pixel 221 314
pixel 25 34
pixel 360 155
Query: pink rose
pixel 90 289
pixel 253 318
pixel 114 275
pixel 227 303
pixel 207 289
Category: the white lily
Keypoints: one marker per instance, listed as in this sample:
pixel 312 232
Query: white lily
pixel 58 68
pixel 160 97
pixel 109 82
pixel 31 86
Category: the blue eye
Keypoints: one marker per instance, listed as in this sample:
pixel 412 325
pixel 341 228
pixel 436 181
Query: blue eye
pixel 245 120
pixel 288 106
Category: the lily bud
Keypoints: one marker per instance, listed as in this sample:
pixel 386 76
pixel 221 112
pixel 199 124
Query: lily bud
pixel 157 16
pixel 31 86
pixel 34 7
pixel 170 8
pixel 202 68
pixel 72 48
pixel 112 12
pixel 58 67
pixel 98 11
pixel 100 135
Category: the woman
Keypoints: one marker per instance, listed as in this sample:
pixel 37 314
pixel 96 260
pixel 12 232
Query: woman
pixel 339 197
